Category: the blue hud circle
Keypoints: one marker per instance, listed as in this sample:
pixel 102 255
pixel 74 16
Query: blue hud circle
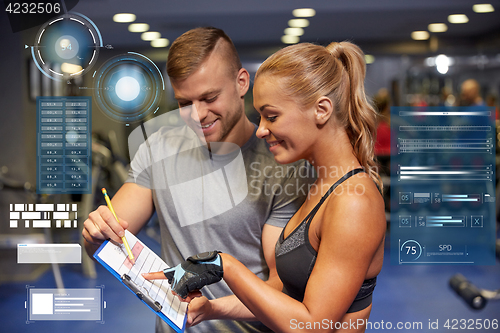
pixel 66 46
pixel 128 87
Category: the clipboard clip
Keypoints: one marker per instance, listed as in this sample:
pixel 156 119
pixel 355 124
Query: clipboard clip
pixel 155 305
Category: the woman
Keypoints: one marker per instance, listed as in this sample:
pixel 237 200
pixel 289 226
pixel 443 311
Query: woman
pixel 313 106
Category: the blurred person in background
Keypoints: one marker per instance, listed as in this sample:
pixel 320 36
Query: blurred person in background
pixel 491 100
pixel 446 97
pixel 419 100
pixel 470 93
pixel 382 103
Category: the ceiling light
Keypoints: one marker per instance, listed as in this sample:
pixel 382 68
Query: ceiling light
pixel 443 69
pixel 420 35
pixel 294 31
pixel 71 68
pixel 150 35
pixel 304 12
pixel 369 59
pixel 430 61
pixel 458 18
pixel 124 17
pixel 298 23
pixel 289 39
pixel 483 8
pixel 160 42
pixel 442 63
pixel 437 27
pixel 442 60
pixel 138 27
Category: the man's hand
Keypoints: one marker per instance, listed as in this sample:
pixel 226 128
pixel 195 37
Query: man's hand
pixel 102 225
pixel 133 205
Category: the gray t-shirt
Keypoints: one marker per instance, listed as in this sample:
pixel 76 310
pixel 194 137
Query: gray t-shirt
pixel 204 202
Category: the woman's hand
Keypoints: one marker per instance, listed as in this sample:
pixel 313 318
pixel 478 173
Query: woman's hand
pixel 193 274
pixel 200 309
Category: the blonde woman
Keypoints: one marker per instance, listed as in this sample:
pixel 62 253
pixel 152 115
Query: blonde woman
pixel 313 106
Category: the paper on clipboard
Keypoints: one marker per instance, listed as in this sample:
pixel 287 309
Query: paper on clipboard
pixel 156 294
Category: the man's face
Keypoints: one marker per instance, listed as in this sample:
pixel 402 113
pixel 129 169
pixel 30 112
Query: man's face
pixel 210 100
pixel 469 92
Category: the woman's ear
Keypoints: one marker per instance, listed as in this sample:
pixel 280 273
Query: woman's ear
pixel 323 110
pixel 243 81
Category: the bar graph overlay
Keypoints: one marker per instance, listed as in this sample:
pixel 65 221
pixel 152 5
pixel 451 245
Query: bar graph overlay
pixel 446 172
pixel 445 145
pixel 444 221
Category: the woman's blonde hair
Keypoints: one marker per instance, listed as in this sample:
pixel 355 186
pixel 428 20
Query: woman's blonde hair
pixel 338 72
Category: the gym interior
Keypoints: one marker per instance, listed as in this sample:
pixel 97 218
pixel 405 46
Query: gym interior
pixel 419 54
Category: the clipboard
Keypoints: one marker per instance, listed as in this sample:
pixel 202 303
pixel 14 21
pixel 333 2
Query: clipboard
pixel 156 295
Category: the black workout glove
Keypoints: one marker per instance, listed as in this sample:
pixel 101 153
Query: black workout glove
pixel 195 273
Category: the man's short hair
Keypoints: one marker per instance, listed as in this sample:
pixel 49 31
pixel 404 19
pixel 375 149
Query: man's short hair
pixel 194 46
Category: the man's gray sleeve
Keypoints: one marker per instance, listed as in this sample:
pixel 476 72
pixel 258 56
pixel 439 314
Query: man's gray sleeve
pixel 291 193
pixel 140 171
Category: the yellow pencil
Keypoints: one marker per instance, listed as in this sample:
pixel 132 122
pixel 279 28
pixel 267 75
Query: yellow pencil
pixel 106 197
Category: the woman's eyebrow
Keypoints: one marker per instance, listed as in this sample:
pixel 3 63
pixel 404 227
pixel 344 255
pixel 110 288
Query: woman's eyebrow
pixel 264 106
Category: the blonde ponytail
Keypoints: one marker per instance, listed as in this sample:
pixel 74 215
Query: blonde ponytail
pixel 357 114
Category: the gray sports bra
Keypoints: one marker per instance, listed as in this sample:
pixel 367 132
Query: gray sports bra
pixel 295 258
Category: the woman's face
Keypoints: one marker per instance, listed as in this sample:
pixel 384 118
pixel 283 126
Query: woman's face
pixel 289 129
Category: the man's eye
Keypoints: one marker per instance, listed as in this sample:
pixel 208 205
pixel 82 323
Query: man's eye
pixel 211 100
pixel 182 105
pixel 272 119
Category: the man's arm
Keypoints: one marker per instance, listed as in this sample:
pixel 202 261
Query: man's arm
pixel 133 205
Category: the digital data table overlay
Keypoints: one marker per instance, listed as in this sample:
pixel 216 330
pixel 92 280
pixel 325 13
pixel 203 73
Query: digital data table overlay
pixel 64 148
pixel 443 185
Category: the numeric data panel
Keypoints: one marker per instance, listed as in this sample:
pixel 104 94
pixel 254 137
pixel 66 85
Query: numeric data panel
pixel 64 148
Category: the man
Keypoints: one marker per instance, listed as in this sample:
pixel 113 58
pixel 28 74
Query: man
pixel 470 93
pixel 209 84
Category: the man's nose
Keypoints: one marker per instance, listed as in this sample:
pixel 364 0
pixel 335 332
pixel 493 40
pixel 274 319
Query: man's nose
pixel 199 112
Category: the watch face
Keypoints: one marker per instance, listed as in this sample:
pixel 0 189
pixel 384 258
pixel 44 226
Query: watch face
pixel 66 46
pixel 128 87
pixel 205 256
